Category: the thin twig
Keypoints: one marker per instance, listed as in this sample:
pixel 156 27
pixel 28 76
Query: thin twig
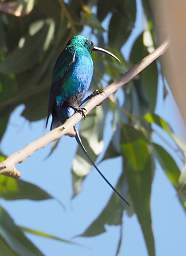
pixel 8 167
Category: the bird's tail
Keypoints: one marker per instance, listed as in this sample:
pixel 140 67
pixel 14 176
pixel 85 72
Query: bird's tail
pixel 78 139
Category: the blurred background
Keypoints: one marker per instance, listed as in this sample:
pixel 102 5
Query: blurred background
pixel 60 206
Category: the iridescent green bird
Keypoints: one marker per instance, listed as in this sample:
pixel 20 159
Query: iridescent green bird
pixel 71 79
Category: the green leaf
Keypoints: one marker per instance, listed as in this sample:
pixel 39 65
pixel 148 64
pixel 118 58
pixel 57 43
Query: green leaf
pixel 123 17
pixel 2 38
pixel 168 164
pixel 113 148
pixel 153 118
pixel 15 238
pixel 3 122
pixel 138 166
pixel 2 158
pixel 111 152
pixel 182 188
pixel 111 214
pixel 145 86
pixel 31 112
pixel 159 121
pixel 14 189
pixel 21 59
pixel 5 249
pixel 103 8
pixel 148 10
pixel 92 137
pixel 8 87
pixel 44 235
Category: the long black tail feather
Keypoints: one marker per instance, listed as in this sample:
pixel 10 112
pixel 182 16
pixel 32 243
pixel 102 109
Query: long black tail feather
pixel 78 139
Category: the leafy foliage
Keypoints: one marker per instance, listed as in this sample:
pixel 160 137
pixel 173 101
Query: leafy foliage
pixel 32 33
pixel 138 165
pixel 12 189
pixel 108 216
pixel 12 237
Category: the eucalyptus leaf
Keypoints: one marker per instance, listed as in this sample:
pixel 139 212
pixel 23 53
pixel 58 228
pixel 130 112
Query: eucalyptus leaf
pixel 138 166
pixel 103 8
pixel 182 188
pixel 153 118
pixel 5 249
pixel 24 55
pixel 4 122
pixel 44 235
pixel 168 164
pixel 14 189
pixel 110 152
pixel 172 171
pixel 15 238
pixel 147 9
pixel 146 84
pixel 113 148
pixel 159 121
pixel 123 17
pixel 111 214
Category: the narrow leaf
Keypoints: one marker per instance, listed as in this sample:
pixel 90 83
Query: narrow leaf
pixel 145 86
pixel 13 189
pixel 15 238
pixel 5 249
pixel 153 118
pixel 159 121
pixel 138 167
pixel 111 214
pixel 44 234
pixel 113 148
pixel 21 59
pixel 123 16
pixel 168 164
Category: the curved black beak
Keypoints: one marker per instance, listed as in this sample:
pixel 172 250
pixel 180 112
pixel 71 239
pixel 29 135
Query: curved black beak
pixel 95 48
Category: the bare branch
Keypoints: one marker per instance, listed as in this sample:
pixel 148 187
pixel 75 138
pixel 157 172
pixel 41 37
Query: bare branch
pixel 8 167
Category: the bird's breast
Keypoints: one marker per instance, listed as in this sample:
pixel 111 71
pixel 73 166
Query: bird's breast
pixel 82 72
pixel 78 79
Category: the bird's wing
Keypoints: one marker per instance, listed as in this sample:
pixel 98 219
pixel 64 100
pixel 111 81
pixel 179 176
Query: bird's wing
pixel 61 69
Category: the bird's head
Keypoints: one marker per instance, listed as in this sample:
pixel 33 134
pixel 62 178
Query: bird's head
pixel 82 41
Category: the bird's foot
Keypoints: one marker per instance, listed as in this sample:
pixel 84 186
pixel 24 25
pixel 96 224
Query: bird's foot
pixel 80 110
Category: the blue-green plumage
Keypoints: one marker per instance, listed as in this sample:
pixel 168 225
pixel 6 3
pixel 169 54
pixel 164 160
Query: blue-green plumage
pixel 71 78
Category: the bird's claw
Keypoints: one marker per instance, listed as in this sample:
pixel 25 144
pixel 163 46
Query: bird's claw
pixel 80 110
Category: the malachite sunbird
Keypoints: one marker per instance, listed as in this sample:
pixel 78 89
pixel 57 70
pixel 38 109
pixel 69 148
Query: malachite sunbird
pixel 71 79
